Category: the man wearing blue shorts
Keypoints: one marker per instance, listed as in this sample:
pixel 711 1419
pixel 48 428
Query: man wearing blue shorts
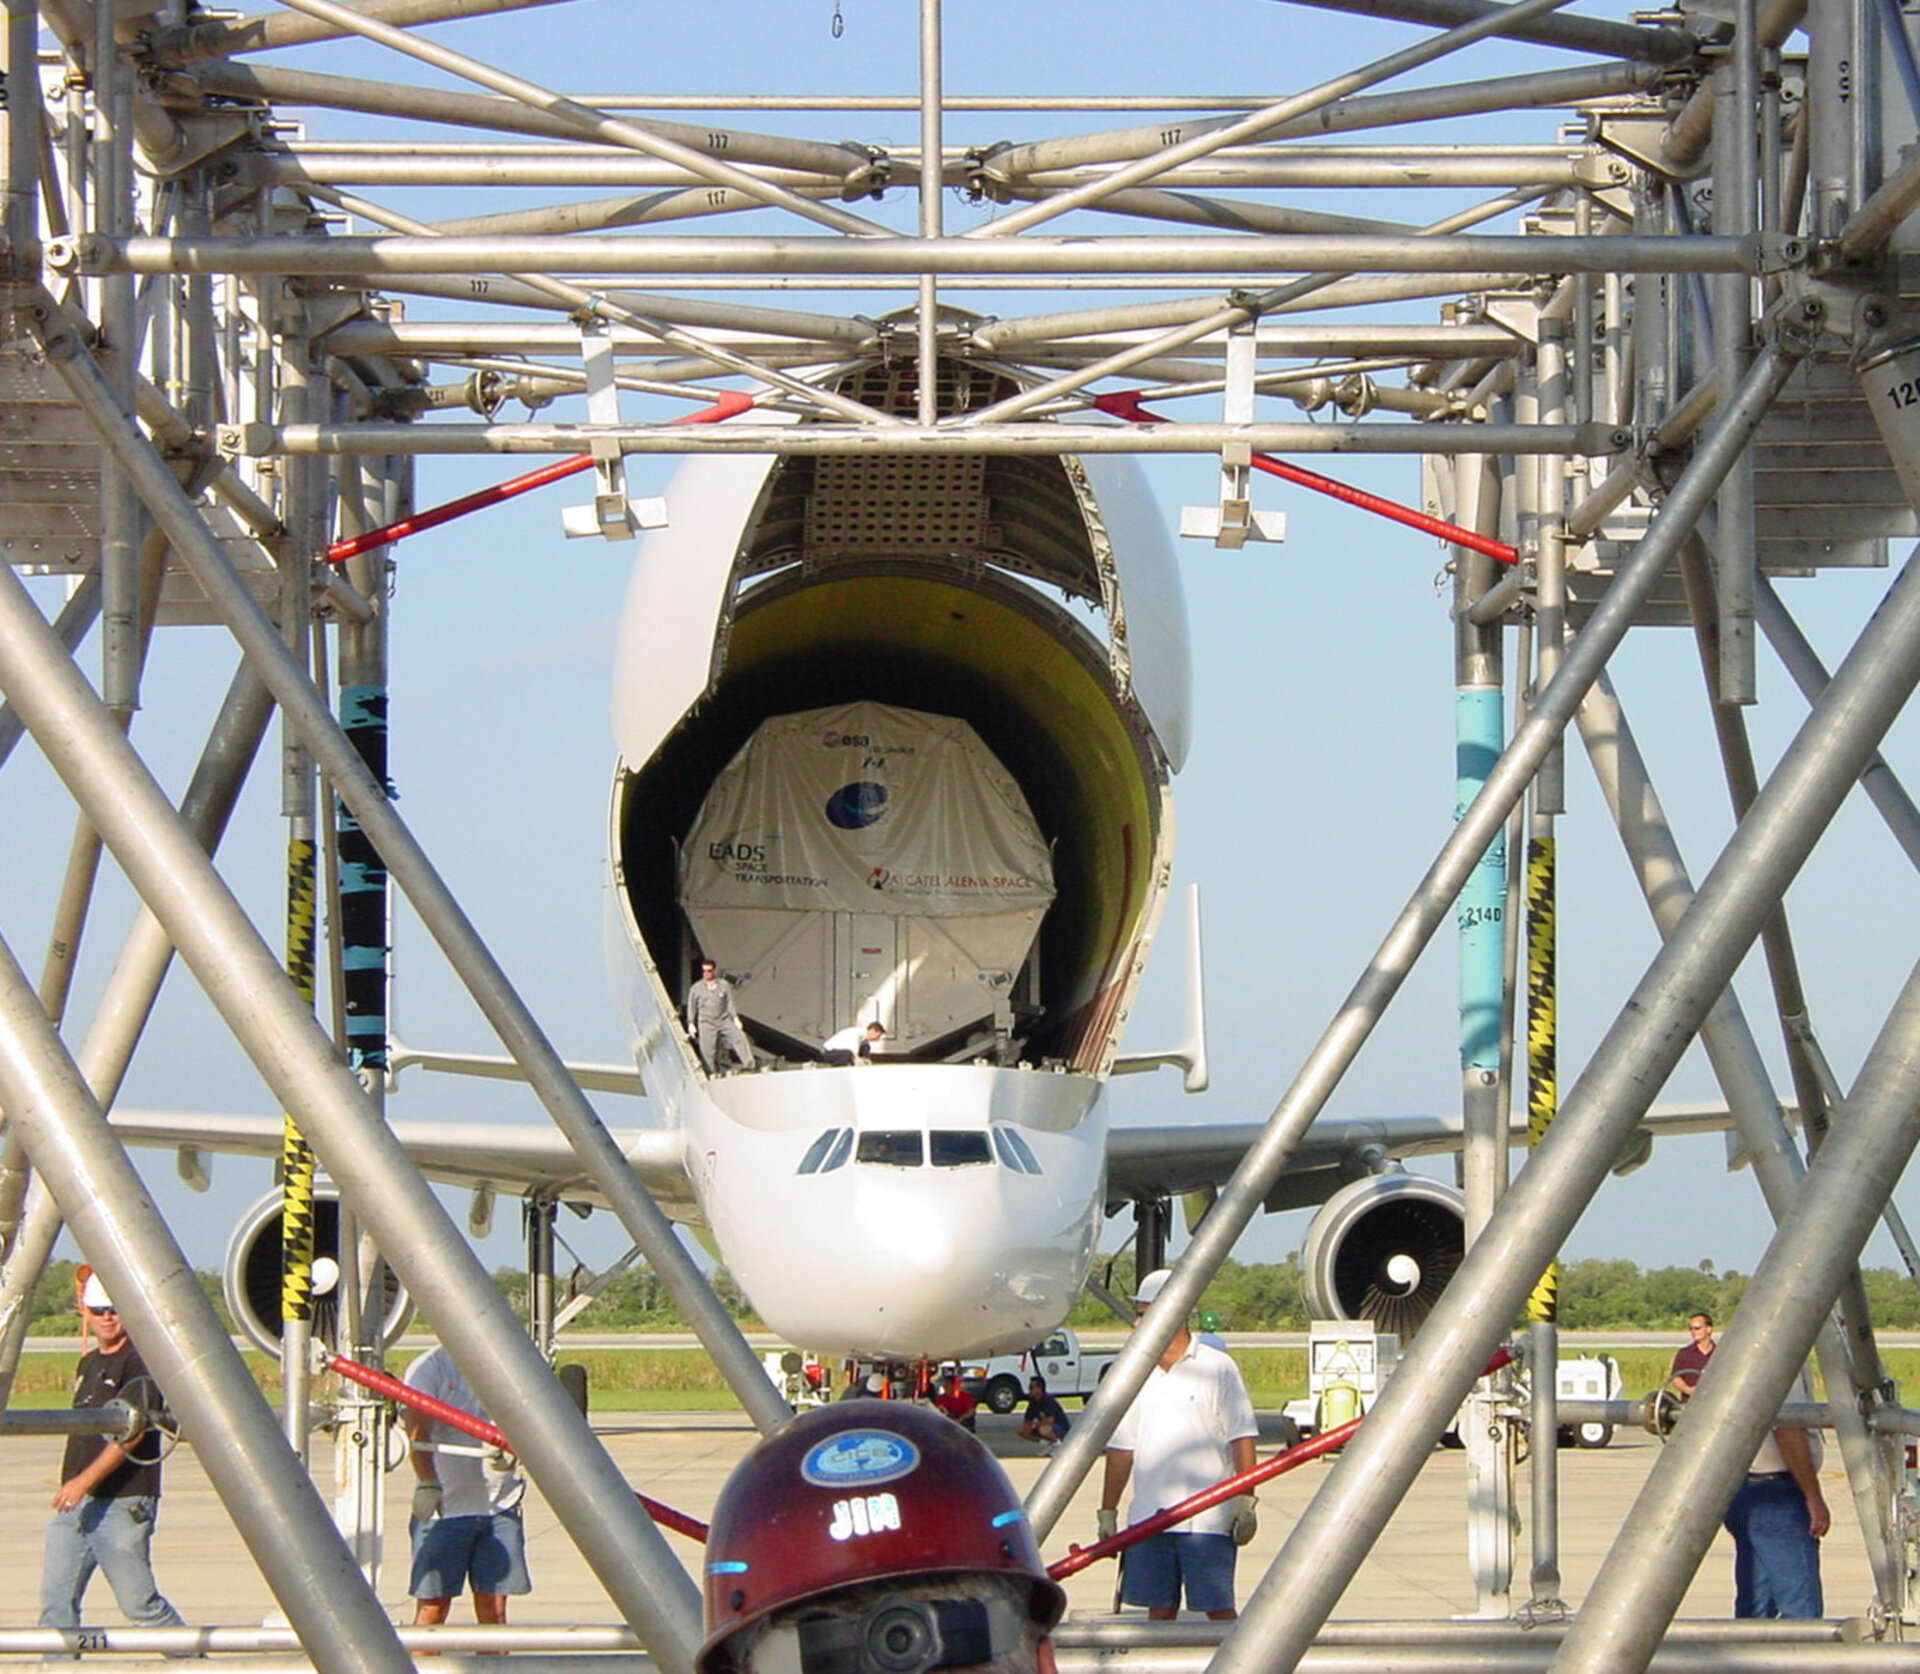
pixel 466 1505
pixel 1190 1427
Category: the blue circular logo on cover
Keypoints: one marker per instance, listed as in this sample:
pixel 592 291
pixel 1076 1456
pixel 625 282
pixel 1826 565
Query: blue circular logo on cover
pixel 856 806
pixel 859 1459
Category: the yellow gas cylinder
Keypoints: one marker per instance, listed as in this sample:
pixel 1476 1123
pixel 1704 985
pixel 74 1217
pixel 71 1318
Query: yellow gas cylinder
pixel 1339 1404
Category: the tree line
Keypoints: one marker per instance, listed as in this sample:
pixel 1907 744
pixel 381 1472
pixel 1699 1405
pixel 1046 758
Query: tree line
pixel 1595 1295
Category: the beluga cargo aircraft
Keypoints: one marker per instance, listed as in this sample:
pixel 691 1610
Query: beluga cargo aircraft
pixel 896 739
pixel 896 736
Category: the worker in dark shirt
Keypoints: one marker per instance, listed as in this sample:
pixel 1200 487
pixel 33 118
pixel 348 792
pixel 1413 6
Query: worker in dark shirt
pixel 1045 1419
pixel 109 1492
pixel 1691 1358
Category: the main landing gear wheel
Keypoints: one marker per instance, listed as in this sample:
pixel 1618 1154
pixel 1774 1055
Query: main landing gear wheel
pixel 1003 1395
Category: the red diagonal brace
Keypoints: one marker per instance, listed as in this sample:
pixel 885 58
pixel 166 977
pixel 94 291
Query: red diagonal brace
pixel 1079 1557
pixel 726 403
pixel 394 1390
pixel 1126 404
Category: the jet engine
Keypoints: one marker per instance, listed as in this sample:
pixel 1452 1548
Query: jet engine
pixel 250 1278
pixel 1383 1249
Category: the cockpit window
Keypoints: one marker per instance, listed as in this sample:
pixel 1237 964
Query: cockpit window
pixel 817 1151
pixel 843 1146
pixel 896 1150
pixel 1015 1152
pixel 959 1148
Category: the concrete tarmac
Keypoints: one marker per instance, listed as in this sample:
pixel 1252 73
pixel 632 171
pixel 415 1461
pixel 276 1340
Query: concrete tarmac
pixel 1418 1571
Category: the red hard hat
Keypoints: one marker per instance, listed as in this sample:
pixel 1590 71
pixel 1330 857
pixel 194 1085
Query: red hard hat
pixel 862 1491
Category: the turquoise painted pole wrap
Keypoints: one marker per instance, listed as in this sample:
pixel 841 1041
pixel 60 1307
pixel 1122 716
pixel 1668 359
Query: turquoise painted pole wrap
pixel 364 908
pixel 1480 912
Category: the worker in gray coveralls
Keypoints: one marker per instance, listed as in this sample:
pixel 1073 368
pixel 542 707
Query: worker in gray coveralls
pixel 713 1021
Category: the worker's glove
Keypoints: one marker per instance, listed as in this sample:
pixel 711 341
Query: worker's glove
pixel 1108 1521
pixel 426 1501
pixel 1246 1523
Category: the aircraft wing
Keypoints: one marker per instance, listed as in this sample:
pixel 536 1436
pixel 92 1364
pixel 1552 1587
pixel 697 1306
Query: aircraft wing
pixel 512 1159
pixel 1167 1161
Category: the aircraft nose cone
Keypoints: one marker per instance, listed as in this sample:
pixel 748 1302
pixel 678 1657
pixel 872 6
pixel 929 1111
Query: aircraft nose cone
pixel 914 1254
pixel 924 1273
pixel 898 1252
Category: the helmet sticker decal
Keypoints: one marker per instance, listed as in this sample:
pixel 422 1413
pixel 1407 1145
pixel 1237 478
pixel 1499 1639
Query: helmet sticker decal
pixel 860 1459
pixel 866 1514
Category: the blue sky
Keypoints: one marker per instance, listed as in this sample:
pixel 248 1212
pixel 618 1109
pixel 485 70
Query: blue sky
pixel 1321 779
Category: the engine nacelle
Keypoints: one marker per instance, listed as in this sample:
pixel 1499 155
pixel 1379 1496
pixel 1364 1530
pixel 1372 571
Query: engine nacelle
pixel 250 1278
pixel 1383 1249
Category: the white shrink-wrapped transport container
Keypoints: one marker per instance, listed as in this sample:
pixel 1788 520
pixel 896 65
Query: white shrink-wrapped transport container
pixel 867 862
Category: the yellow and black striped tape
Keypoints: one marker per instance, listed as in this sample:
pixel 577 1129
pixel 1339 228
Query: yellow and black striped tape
pixel 1543 1091
pixel 296 1155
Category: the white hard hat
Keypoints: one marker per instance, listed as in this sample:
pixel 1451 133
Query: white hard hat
pixel 93 1294
pixel 1153 1284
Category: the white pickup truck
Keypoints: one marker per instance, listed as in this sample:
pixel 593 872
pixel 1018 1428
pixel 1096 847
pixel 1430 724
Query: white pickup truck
pixel 1000 1384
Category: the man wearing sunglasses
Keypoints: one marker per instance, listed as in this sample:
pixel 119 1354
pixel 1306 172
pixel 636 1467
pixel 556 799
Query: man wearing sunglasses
pixel 1691 1358
pixel 109 1493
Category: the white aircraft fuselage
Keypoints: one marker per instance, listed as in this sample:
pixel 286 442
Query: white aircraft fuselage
pixel 895 742
pixel 896 1261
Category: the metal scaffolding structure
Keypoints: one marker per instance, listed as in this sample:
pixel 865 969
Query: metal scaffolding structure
pixel 1646 364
